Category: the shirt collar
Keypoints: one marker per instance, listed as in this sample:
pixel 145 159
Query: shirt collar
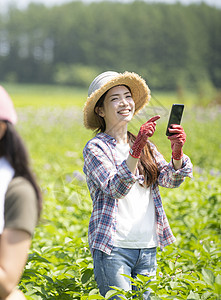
pixel 106 138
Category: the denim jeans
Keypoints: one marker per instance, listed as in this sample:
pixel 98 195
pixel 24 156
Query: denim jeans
pixel 108 269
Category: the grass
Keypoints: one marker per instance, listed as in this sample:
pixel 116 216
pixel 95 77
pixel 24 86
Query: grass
pixel 65 96
pixel 45 95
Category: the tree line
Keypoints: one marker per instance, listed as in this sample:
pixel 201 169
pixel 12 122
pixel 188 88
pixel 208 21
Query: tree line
pixel 170 45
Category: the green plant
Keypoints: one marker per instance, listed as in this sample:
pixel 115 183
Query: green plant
pixel 60 264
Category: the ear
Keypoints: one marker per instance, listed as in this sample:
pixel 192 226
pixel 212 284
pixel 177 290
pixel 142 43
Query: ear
pixel 3 127
pixel 100 111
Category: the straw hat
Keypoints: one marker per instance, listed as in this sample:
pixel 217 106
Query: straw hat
pixel 7 111
pixel 103 82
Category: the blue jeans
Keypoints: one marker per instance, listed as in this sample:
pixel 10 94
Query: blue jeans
pixel 108 269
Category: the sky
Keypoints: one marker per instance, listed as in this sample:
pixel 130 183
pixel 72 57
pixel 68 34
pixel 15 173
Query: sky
pixel 24 3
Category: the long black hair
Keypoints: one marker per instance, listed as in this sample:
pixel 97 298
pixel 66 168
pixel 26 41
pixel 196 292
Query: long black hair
pixel 14 150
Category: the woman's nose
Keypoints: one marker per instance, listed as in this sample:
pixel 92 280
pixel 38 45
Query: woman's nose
pixel 123 101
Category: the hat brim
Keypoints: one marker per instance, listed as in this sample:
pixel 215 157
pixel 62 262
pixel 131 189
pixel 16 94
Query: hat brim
pixel 139 90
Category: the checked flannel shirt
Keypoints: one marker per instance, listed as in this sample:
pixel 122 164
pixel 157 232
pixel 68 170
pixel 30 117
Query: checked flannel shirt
pixel 109 181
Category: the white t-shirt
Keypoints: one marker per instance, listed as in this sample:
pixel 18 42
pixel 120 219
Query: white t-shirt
pixel 6 175
pixel 136 218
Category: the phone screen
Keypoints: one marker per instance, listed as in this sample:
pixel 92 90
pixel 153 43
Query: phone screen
pixel 175 116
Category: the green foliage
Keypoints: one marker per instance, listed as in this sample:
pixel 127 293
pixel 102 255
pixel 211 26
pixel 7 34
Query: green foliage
pixel 78 74
pixel 60 264
pixel 171 46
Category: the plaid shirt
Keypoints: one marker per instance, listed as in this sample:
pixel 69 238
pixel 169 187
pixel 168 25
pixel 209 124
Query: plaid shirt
pixel 109 181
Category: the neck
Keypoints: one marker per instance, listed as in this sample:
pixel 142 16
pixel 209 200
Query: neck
pixel 119 133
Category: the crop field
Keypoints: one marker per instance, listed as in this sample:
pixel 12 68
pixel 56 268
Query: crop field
pixel 60 264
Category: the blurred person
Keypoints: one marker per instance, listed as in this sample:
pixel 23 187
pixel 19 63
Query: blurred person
pixel 123 173
pixel 20 202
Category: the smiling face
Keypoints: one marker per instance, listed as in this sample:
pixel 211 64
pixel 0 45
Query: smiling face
pixel 118 107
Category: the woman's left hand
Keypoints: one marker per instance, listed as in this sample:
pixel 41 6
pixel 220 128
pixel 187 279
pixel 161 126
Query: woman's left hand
pixel 177 140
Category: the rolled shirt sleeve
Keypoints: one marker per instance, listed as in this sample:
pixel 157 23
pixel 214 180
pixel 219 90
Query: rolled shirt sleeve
pixel 168 176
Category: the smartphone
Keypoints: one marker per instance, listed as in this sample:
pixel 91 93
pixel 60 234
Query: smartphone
pixel 175 116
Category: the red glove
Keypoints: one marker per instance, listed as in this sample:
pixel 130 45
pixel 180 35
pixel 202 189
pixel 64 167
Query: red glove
pixel 146 131
pixel 177 140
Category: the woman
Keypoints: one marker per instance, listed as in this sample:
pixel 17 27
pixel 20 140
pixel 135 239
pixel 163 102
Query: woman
pixel 20 202
pixel 123 173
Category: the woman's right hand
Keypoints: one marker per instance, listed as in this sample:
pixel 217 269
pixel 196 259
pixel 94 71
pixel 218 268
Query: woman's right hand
pixel 146 131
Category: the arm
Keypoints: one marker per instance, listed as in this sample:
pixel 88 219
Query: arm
pixel 177 141
pixel 146 130
pixel 14 247
pixel 132 163
pixel 177 164
pixel 99 167
pixel 169 176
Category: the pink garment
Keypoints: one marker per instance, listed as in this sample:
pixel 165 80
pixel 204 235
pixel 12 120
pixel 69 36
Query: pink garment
pixel 7 111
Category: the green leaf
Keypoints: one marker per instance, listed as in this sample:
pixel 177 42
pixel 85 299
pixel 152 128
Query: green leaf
pixel 110 294
pixel 188 282
pixel 94 292
pixel 174 285
pixel 218 279
pixel 144 278
pixel 171 265
pixel 67 240
pixel 88 273
pixel 206 295
pixel 208 276
pixel 193 296
pixel 95 297
pixel 206 247
pixel 38 258
pixel 49 279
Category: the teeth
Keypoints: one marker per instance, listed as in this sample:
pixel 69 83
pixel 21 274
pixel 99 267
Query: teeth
pixel 124 111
